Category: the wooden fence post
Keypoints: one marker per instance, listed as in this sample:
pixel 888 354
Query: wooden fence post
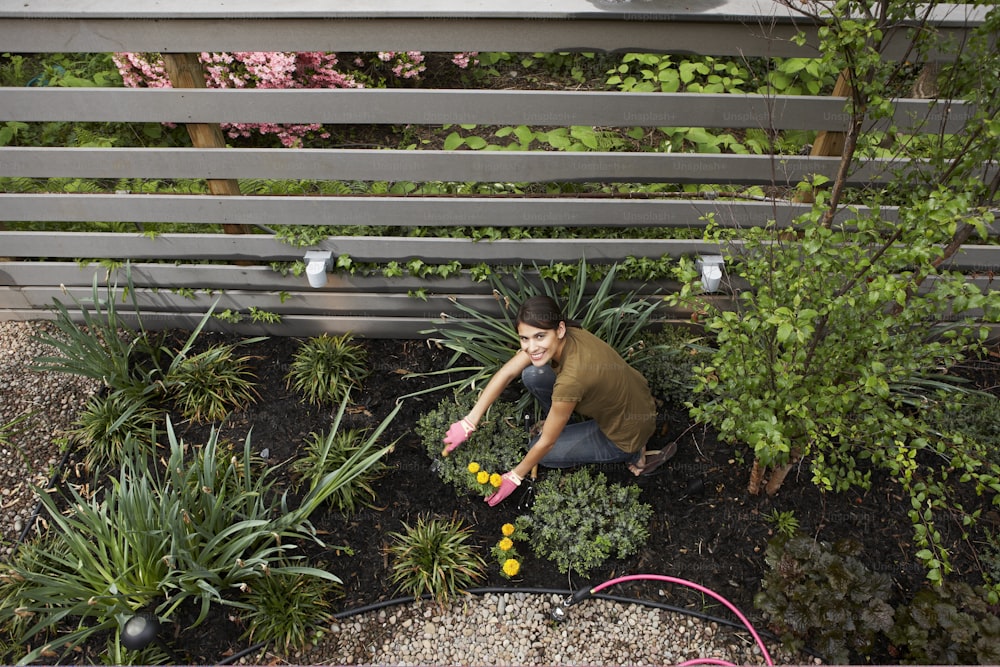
pixel 831 144
pixel 828 143
pixel 185 71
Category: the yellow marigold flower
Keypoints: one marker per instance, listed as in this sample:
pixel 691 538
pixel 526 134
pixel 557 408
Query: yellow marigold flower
pixel 507 529
pixel 496 479
pixel 483 477
pixel 505 544
pixel 511 567
pixel 473 467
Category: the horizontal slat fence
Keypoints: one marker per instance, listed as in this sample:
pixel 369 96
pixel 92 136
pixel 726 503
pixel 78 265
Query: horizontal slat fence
pixel 179 275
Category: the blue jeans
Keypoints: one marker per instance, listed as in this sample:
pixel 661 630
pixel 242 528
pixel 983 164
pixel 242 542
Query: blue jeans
pixel 580 442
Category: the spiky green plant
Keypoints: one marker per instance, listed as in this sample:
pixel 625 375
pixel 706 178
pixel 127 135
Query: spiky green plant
pixel 207 386
pixel 289 610
pixel 107 348
pixel 328 453
pixel 107 421
pixel 201 532
pixel 486 341
pixel 434 557
pixel 102 348
pixel 326 368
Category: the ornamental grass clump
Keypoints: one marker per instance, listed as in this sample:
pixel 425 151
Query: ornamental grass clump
pixel 327 453
pixel 289 610
pixel 326 368
pixel 434 557
pixel 497 445
pixel 108 420
pixel 200 533
pixel 579 521
pixel 102 347
pixel 207 386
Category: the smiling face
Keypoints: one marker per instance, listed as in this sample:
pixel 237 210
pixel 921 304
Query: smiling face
pixel 542 345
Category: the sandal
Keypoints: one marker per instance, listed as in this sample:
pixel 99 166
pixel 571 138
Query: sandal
pixel 656 459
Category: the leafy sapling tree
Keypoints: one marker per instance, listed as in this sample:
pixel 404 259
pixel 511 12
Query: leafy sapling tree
pixel 851 316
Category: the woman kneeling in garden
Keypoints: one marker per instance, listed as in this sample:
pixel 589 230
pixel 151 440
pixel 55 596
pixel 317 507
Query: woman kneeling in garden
pixel 567 369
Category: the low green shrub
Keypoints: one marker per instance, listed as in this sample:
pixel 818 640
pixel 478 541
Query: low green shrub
pixel 820 594
pixel 434 557
pixel 578 521
pixel 207 386
pixel 326 368
pixel 947 624
pixel 497 445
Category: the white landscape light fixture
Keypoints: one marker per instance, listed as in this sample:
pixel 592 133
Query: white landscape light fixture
pixel 711 272
pixel 318 262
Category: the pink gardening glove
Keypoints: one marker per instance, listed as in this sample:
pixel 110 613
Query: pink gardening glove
pixel 457 434
pixel 511 480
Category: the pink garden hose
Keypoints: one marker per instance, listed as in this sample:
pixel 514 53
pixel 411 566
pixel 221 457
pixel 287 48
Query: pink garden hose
pixel 580 595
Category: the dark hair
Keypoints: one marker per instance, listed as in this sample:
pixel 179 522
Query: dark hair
pixel 541 312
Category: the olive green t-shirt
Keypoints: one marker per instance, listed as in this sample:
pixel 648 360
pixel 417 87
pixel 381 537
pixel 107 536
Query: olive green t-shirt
pixel 605 389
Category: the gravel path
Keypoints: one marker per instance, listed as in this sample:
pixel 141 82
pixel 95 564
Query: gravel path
pixel 491 629
pixel 516 629
pixel 35 448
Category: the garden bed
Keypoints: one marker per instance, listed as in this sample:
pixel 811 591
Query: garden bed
pixel 704 527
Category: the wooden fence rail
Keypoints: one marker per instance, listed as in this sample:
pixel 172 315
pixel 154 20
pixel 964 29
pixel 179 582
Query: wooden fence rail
pixel 174 272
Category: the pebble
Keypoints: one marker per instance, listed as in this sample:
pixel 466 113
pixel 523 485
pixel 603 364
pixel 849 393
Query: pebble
pixel 35 446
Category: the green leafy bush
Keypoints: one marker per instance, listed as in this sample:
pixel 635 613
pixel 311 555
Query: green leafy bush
pixel 434 557
pixel 326 368
pixel 209 385
pixel 497 445
pixel 947 624
pixel 820 594
pixel 976 415
pixel 989 558
pixel 578 521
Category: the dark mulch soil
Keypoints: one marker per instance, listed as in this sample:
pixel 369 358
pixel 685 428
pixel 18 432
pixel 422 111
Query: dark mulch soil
pixel 706 528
